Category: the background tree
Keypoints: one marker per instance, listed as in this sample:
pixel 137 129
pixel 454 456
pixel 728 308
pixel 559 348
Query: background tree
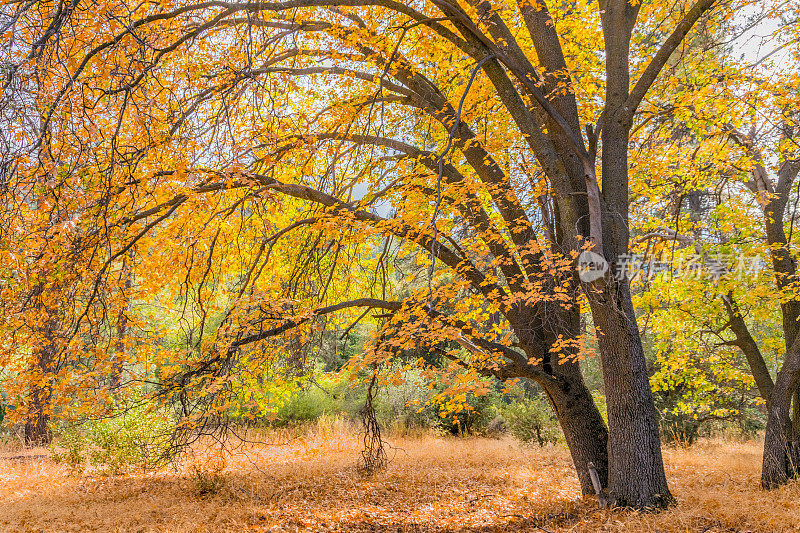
pixel 730 144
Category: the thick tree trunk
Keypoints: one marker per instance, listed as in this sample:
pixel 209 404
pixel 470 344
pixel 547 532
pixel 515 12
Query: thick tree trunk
pixel 781 447
pixel 583 426
pixel 636 468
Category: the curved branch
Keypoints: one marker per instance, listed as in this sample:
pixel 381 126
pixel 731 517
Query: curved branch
pixel 293 323
pixel 662 56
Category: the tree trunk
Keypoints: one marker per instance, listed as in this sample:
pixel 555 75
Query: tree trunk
pixel 118 364
pixel 37 424
pixel 42 369
pixel 748 345
pixel 636 468
pixel 583 426
pixel 781 447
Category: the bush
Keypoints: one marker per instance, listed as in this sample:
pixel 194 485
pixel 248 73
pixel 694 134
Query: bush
pixel 497 427
pixel 309 404
pixel 679 429
pixel 416 403
pixel 401 405
pixel 73 449
pixel 531 421
pixel 474 418
pixel 137 438
pixel 405 408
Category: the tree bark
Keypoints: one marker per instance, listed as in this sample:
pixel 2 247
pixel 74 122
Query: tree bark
pixel 584 428
pixel 37 425
pixel 781 453
pixel 636 468
pixel 781 446
pixel 43 366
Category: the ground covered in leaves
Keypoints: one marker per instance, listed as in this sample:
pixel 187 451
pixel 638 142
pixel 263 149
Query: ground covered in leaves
pixel 432 484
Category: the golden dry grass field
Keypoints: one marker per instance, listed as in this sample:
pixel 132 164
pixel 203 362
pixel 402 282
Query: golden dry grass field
pixel 432 484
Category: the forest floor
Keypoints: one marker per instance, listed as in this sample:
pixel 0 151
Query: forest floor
pixel 431 484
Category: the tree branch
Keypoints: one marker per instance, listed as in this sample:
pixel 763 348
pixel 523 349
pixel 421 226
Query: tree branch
pixel 656 64
pixel 293 323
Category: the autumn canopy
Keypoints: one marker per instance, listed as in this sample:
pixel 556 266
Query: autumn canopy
pixel 202 201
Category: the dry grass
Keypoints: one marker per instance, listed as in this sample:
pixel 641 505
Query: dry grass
pixel 432 484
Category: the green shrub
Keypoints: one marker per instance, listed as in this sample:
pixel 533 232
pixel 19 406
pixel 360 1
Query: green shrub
pixel 531 421
pixel 73 449
pixel 474 418
pixel 404 407
pixel 338 396
pixel 307 405
pixel 327 395
pixel 137 438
